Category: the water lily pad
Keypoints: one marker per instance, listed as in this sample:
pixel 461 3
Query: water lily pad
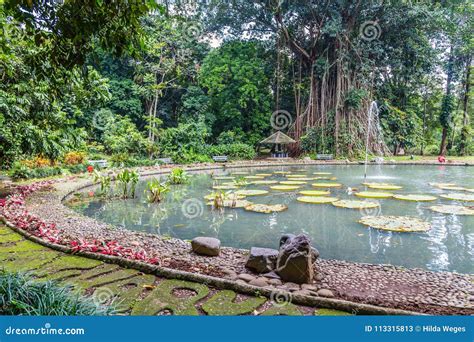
pixel 235 184
pixel 325 178
pixel 251 192
pixel 316 199
pixel 266 208
pixel 302 179
pixel 322 173
pixel 295 176
pixel 396 223
pixel 285 187
pixel 383 186
pixel 282 172
pixel 459 197
pixel 373 194
pixel 452 187
pixel 442 184
pixel 223 177
pixel 264 174
pixel 292 182
pixel 326 185
pixel 453 209
pixel 415 198
pixel 314 192
pixel 254 177
pixel 351 204
pixel 231 195
pixel 224 187
pixel 228 203
pixel 264 182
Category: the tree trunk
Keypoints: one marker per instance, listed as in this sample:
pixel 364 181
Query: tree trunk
pixel 465 105
pixel 444 144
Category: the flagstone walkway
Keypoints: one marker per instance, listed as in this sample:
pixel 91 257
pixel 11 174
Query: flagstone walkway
pixel 133 292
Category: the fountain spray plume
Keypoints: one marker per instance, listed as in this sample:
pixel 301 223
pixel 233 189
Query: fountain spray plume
pixel 373 109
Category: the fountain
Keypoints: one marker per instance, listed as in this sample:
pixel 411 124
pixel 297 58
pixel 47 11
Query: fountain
pixel 373 107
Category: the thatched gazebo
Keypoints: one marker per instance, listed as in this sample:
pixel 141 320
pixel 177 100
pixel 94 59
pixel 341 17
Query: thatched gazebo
pixel 279 140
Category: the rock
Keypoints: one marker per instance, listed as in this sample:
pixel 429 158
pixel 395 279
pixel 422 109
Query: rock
pixel 271 275
pixel 309 287
pixel 206 246
pixel 302 293
pixel 241 282
pixel 246 277
pixel 325 293
pixel 261 282
pixel 262 260
pixel 285 238
pixel 292 286
pixel 230 274
pixel 295 259
pixel 319 276
pixel 274 282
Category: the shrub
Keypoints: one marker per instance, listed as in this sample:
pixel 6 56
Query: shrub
pixel 177 176
pixel 121 136
pixel 233 151
pixel 38 161
pixel 128 181
pixel 19 171
pixel 156 190
pixel 21 295
pixel 74 158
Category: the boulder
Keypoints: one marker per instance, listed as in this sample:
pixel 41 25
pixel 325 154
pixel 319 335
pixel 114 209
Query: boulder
pixel 295 259
pixel 246 277
pixel 261 282
pixel 206 246
pixel 262 260
pixel 325 293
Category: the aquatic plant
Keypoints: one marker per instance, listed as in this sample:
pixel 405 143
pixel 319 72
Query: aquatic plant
pixel 128 181
pixel 178 176
pixel 156 190
pixel 105 182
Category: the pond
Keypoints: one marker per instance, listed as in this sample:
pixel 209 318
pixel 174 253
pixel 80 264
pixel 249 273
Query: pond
pixel 335 232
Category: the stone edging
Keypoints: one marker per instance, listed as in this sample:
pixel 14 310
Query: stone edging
pixel 338 304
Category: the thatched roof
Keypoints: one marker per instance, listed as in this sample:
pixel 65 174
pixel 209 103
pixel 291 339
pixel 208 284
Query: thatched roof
pixel 278 138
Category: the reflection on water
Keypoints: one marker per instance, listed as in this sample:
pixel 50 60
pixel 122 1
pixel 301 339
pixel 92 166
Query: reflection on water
pixel 448 246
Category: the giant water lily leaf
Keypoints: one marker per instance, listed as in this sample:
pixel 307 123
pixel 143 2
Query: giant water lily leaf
pixel 459 197
pixel 382 186
pixel 223 177
pixel 326 185
pixel 285 187
pixel 453 209
pixel 251 192
pixel 254 177
pixel 302 179
pixel 224 187
pixel 316 199
pixel 452 187
pixel 282 172
pixel 350 204
pixel 229 203
pixel 292 182
pixel 373 194
pixel 266 208
pixel 264 174
pixel 415 198
pixel 295 176
pixel 314 192
pixel 228 195
pixel 322 173
pixel 396 223
pixel 441 184
pixel 264 182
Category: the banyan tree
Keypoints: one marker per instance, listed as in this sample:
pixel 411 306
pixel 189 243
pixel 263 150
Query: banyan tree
pixel 326 49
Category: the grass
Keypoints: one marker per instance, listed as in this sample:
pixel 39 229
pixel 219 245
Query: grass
pixel 463 159
pixel 20 294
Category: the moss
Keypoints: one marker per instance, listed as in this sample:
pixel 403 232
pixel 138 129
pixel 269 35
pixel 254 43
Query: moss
pixel 23 246
pixel 331 312
pixel 286 310
pixel 27 261
pixel 129 290
pixel 222 303
pixel 4 230
pixel 162 298
pixel 8 238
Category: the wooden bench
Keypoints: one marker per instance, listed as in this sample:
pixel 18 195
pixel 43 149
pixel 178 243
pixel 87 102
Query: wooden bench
pixel 221 159
pixel 324 157
pixel 165 161
pixel 101 163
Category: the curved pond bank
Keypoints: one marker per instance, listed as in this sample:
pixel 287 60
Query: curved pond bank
pixel 382 285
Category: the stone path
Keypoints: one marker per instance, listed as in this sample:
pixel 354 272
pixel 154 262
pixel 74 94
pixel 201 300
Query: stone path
pixel 133 292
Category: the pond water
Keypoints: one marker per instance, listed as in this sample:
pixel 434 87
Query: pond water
pixel 335 232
